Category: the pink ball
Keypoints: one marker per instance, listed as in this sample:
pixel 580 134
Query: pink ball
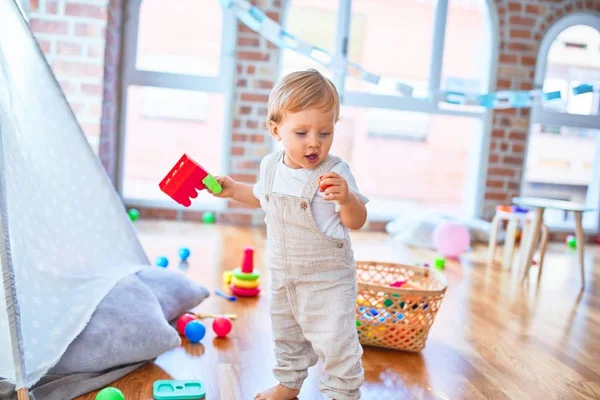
pixel 183 321
pixel 451 239
pixel 221 326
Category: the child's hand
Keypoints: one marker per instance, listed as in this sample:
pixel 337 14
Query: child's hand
pixel 228 185
pixel 335 188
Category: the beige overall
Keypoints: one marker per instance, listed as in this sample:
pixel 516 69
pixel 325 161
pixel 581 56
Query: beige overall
pixel 313 292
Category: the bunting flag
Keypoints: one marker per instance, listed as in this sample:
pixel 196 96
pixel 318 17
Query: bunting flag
pixel 258 21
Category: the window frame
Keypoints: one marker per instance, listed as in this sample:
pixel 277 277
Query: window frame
pixel 542 116
pixel 474 191
pixel 131 76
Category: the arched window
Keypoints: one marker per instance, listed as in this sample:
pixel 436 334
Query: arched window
pixel 406 152
pixel 177 72
pixel 563 156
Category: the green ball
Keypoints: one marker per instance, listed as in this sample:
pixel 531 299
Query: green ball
pixel 110 393
pixel 440 263
pixel 134 214
pixel 572 242
pixel 208 217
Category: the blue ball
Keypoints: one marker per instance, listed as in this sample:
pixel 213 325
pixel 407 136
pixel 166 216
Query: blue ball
pixel 162 262
pixel 184 253
pixel 194 331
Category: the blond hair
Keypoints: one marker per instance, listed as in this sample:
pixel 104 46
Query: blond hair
pixel 302 90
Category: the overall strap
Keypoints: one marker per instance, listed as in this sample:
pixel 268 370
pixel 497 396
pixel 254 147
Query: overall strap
pixel 312 185
pixel 270 168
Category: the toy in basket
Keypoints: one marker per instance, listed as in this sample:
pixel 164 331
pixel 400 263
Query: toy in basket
pixel 397 304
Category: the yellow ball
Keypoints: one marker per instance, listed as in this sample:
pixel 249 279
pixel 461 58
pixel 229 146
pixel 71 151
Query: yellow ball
pixel 245 284
pixel 227 275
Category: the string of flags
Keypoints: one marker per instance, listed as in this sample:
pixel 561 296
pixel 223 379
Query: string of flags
pixel 259 22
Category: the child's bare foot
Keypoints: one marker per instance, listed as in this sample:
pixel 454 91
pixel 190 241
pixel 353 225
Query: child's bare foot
pixel 278 392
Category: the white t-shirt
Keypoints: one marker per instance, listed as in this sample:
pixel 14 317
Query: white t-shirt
pixel 289 181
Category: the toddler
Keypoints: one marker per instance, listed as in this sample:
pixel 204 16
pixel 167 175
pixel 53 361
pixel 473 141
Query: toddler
pixel 311 201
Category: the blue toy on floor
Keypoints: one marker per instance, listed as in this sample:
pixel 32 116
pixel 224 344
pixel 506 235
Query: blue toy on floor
pixel 178 390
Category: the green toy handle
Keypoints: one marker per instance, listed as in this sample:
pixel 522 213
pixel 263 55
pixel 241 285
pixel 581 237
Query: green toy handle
pixel 211 183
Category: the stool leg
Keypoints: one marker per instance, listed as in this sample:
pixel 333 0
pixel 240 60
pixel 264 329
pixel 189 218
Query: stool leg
pixel 580 243
pixel 534 238
pixel 543 247
pixel 523 244
pixel 493 239
pixel 509 243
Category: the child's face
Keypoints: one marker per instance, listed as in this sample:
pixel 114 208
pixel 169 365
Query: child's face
pixel 306 136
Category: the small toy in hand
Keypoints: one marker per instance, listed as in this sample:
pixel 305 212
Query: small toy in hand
pixel 322 186
pixel 185 178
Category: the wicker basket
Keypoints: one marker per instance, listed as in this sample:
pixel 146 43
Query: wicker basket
pixel 392 317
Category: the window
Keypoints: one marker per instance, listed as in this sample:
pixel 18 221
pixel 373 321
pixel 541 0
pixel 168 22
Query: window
pixel 406 151
pixel 172 37
pixel 176 87
pixel 563 155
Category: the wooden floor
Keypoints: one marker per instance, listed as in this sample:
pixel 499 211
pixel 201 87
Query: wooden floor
pixel 493 338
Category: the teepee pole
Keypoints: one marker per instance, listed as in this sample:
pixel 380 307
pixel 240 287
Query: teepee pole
pixel 22 394
pixel 7 276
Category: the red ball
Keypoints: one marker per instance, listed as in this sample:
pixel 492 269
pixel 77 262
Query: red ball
pixel 183 321
pixel 222 326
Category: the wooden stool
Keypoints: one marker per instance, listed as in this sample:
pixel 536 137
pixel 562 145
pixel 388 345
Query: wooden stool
pixel 505 213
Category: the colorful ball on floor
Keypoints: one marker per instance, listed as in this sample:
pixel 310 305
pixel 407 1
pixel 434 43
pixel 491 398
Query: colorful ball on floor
pixel 208 217
pixel 440 263
pixel 222 326
pixel 195 331
pixel 571 241
pixel 451 239
pixel 110 393
pixel 182 321
pixel 184 253
pixel 162 262
pixel 134 214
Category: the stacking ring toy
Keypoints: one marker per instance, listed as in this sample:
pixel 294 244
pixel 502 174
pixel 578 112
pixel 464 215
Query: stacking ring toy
pixel 245 284
pixel 240 292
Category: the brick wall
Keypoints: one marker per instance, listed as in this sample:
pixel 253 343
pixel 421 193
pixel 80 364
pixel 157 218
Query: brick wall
pixel 522 26
pixel 72 36
pixel 256 74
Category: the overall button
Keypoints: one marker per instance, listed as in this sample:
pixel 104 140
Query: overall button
pixel 303 205
pixel 340 245
pixel 267 197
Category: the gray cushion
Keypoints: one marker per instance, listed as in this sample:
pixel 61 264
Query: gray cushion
pixel 176 293
pixel 127 327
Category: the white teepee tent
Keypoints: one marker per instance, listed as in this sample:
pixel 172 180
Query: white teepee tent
pixel 65 238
